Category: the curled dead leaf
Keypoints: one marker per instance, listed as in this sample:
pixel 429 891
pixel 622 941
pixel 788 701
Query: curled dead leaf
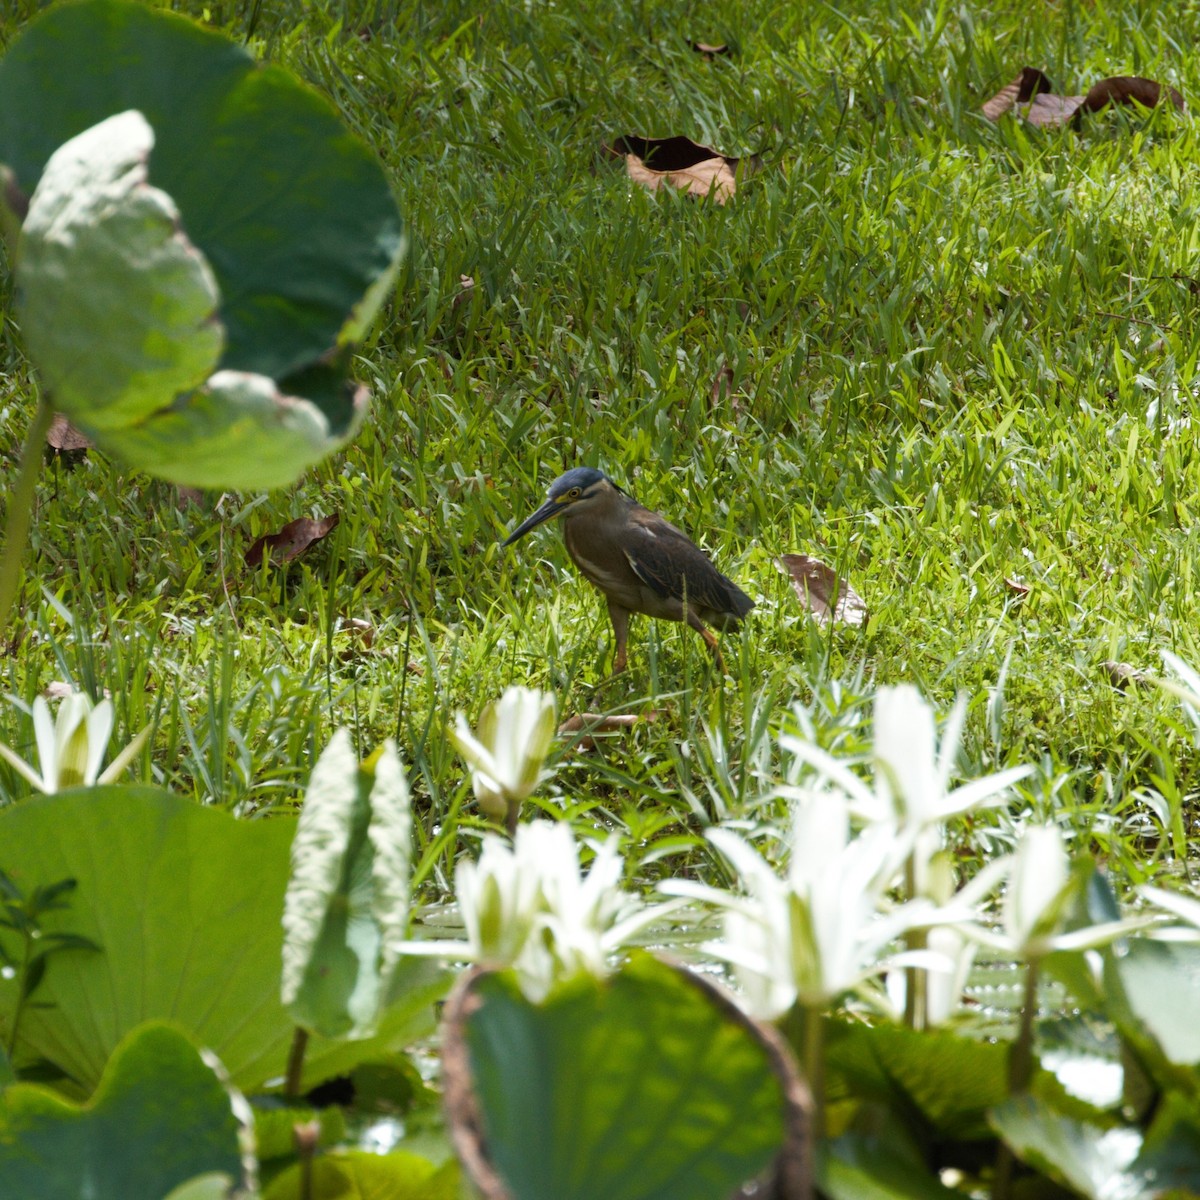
pixel 600 722
pixel 292 540
pixel 697 170
pixel 57 689
pixel 466 289
pixel 722 388
pixel 589 724
pixel 1129 89
pixel 1122 675
pixel 361 637
pixel 826 596
pixel 65 438
pixel 1032 96
pixel 1030 83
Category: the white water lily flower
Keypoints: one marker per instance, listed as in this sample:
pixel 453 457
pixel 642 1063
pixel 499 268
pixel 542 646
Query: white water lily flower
pixel 500 897
pixel 1041 888
pixel 71 746
pixel 530 907
pixel 506 752
pixel 821 930
pixel 912 777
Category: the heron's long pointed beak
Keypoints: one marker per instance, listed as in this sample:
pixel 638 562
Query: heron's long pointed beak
pixel 552 508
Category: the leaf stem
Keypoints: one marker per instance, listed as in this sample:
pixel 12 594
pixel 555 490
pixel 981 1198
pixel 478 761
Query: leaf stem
pixel 20 508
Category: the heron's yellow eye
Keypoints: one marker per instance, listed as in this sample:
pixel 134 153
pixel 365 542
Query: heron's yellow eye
pixel 574 493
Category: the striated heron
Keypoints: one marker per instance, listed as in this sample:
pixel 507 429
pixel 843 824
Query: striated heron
pixel 639 560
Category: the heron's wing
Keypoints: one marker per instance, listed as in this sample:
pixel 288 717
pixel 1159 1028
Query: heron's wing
pixel 668 562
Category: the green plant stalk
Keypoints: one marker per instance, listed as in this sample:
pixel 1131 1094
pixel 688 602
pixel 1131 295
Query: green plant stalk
pixel 1020 1061
pixel 20 509
pixel 295 1063
pixel 804 1027
pixel 22 993
pixel 916 997
pixel 1020 1075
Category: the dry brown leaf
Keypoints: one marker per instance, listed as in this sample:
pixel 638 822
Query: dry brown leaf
pixel 364 631
pixel 1015 585
pixel 466 288
pixel 361 637
pixel 56 689
pixel 1129 89
pixel 1121 675
pixel 826 597
pixel 65 438
pixel 598 722
pixel 1032 95
pixel 292 540
pixel 1031 82
pixel 722 388
pixel 679 161
pixel 593 723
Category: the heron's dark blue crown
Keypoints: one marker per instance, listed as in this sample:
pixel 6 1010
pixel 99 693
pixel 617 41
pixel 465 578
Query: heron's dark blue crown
pixel 577 477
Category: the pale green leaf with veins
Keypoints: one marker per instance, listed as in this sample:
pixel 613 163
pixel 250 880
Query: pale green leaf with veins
pixel 347 904
pixel 117 307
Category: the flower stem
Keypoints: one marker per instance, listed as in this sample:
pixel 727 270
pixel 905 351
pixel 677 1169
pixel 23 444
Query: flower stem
pixel 20 508
pixel 1020 1075
pixel 805 1029
pixel 1020 1061
pixel 916 1000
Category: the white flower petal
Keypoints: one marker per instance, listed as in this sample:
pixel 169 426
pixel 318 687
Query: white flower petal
pixel 99 725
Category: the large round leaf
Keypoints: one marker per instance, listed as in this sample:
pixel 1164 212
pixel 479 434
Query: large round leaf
pixel 275 434
pixel 647 1086
pixel 186 904
pixel 285 217
pixel 290 209
pixel 117 308
pixel 159 1117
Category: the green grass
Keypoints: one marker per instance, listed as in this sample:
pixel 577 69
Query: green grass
pixel 961 353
